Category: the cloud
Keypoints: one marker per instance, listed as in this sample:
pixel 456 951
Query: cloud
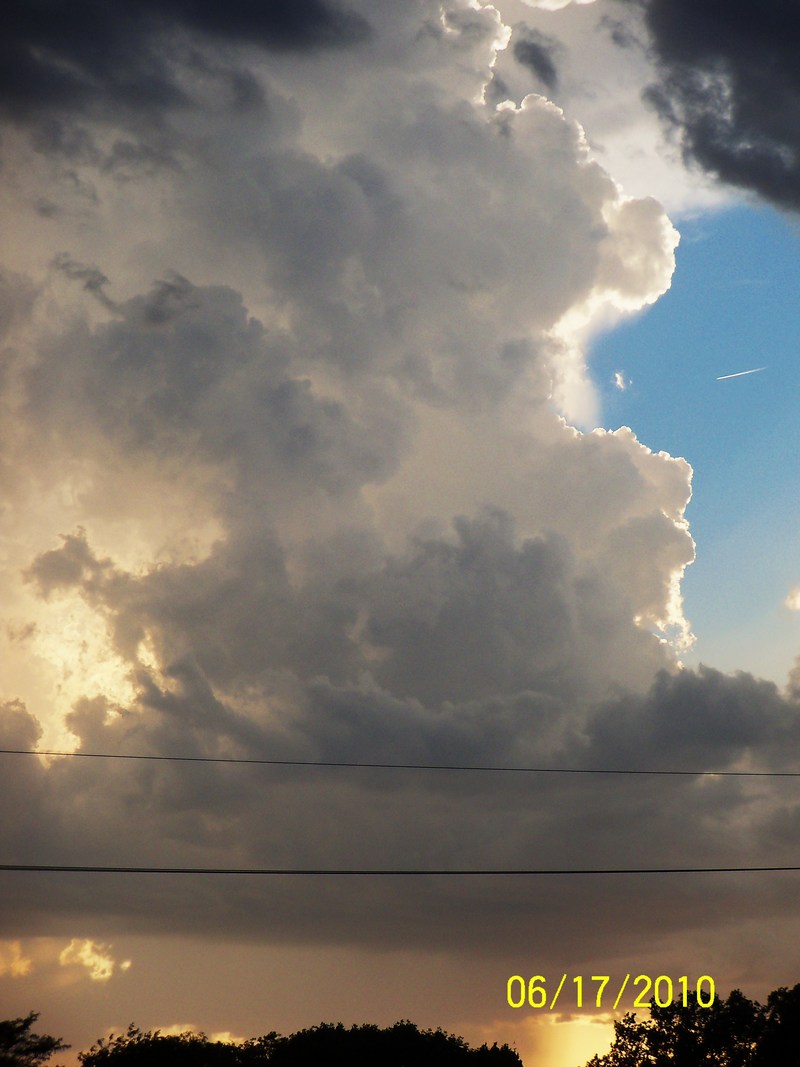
pixel 536 51
pixel 12 960
pixel 286 443
pixel 554 5
pixel 287 817
pixel 94 281
pixel 728 88
pixel 96 958
pixel 17 298
pixel 602 64
pixel 81 58
pixel 182 369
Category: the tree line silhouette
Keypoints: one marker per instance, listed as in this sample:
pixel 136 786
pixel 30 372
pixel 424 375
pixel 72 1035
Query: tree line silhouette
pixel 326 1045
pixel 737 1032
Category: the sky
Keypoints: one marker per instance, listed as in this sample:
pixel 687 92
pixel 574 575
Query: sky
pixel 365 400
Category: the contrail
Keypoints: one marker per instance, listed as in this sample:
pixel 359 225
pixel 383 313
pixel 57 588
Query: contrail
pixel 740 373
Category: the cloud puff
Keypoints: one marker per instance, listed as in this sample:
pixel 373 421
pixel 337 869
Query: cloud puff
pixel 728 86
pixel 96 958
pixel 12 960
pixel 537 51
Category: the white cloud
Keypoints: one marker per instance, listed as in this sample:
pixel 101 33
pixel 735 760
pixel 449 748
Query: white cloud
pixel 554 5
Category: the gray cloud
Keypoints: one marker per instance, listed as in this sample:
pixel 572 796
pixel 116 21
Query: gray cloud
pixel 94 281
pixel 537 51
pixel 81 56
pixel 126 93
pixel 195 813
pixel 474 617
pixel 696 719
pixel 485 616
pixel 728 86
pixel 17 299
pixel 184 370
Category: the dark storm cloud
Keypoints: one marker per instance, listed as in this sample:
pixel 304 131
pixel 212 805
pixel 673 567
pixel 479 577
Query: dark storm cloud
pixel 730 86
pixel 97 58
pixel 693 720
pixel 465 649
pixel 183 370
pixel 447 622
pixel 280 24
pixel 537 51
pixel 178 814
pixel 486 616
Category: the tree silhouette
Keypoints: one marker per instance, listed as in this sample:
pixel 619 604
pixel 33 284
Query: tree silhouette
pixel 151 1048
pixel 326 1045
pixel 779 1045
pixel 736 1032
pixel 20 1048
pixel 396 1046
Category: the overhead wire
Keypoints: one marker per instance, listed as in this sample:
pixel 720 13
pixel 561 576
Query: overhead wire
pixel 398 766
pixel 394 872
pixel 54 868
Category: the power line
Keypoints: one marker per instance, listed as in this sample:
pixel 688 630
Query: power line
pixel 398 766
pixel 373 872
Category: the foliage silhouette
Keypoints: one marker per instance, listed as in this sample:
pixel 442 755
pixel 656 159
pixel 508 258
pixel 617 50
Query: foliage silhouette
pixel 20 1048
pixel 736 1032
pixel 326 1045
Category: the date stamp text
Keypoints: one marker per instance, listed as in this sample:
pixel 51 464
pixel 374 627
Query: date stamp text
pixel 599 991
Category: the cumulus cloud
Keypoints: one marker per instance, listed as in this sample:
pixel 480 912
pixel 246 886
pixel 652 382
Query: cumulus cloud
pixel 728 87
pixel 94 957
pixel 288 442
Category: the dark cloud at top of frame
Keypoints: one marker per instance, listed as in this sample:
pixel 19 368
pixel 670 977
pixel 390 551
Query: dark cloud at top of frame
pixel 729 85
pixel 96 58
